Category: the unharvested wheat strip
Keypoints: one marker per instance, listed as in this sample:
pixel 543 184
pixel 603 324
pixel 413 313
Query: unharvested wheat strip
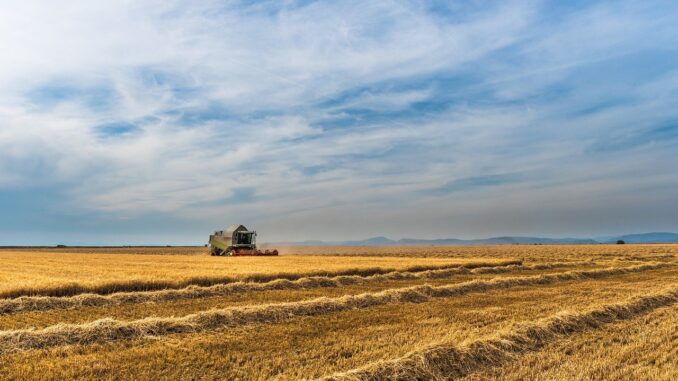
pixel 47 303
pixel 449 361
pixel 140 285
pixel 109 329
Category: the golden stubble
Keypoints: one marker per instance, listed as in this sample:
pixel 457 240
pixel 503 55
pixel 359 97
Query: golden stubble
pixel 562 312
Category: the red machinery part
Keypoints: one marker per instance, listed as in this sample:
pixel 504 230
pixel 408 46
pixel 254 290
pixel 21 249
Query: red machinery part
pixel 246 252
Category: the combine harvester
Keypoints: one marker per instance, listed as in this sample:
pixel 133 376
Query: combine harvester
pixel 236 241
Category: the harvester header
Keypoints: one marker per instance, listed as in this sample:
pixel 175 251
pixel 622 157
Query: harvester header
pixel 236 240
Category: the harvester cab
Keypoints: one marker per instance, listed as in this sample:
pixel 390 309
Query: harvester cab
pixel 236 241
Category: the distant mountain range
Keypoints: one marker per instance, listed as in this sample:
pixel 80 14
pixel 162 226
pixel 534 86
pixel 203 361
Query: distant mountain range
pixel 654 237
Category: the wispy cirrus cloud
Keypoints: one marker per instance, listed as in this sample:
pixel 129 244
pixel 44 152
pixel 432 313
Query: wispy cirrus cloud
pixel 336 119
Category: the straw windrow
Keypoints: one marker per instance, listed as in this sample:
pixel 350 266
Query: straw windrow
pixel 70 289
pixel 112 330
pixel 46 303
pixel 449 361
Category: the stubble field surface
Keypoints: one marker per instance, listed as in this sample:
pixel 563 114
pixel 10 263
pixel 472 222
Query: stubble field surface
pixel 582 312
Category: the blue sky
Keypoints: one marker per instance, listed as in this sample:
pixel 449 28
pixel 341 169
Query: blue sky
pixel 155 122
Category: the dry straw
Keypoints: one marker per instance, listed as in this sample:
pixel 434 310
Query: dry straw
pixel 449 361
pixel 46 303
pixel 151 285
pixel 112 330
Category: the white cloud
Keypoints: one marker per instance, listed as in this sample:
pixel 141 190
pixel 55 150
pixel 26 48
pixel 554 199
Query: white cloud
pixel 354 106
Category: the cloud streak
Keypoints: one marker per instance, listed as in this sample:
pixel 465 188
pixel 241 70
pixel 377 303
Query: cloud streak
pixel 163 120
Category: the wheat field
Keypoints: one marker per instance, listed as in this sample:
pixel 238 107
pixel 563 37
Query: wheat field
pixel 514 312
